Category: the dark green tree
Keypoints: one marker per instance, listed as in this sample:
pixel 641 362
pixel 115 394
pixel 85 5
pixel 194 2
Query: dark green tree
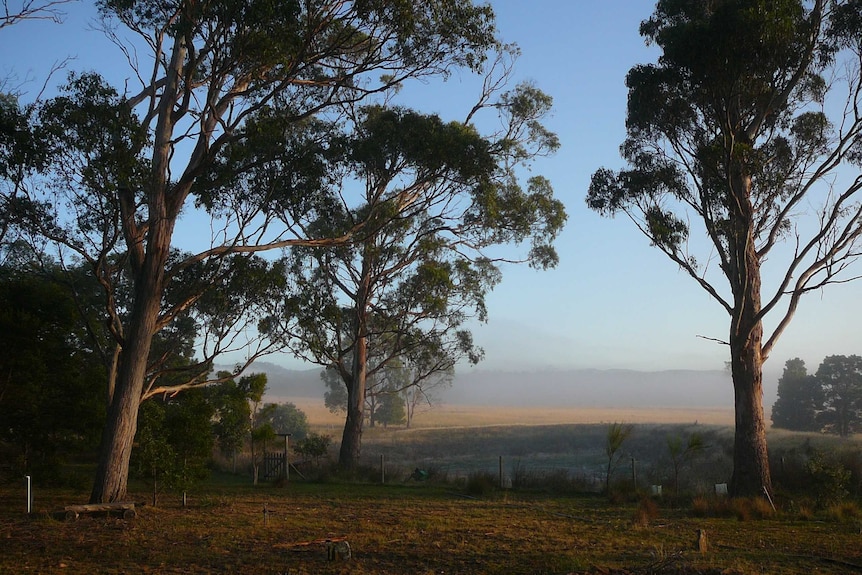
pixel 840 377
pixel 391 409
pixel 736 129
pixel 233 401
pixel 126 165
pixel 52 386
pixel 800 399
pixel 175 440
pixel 284 418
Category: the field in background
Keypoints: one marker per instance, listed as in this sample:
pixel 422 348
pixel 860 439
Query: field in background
pixel 447 415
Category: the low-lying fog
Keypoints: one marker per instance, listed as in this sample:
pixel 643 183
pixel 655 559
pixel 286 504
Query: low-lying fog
pixel 558 388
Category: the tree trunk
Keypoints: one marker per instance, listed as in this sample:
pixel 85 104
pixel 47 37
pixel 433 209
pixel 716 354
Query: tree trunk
pixel 751 474
pixel 351 439
pixel 112 473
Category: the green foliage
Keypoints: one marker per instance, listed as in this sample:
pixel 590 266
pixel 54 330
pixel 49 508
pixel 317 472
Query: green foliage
pixel 829 479
pixel 175 440
pixel 313 446
pixel 391 410
pixel 800 398
pixel 840 377
pixel 284 418
pixel 53 386
pixel 233 412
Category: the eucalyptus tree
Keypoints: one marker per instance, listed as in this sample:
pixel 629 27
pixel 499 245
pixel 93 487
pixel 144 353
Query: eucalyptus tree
pixel 747 127
pixel 128 163
pixel 440 199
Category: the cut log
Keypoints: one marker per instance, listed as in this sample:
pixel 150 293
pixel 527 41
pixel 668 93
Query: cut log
pixel 126 510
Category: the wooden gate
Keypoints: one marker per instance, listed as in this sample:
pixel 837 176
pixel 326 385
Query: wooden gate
pixel 273 465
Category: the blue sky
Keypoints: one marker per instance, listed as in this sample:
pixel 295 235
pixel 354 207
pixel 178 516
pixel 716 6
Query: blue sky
pixel 613 302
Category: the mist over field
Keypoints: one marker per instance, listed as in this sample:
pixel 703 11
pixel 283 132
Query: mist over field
pixel 553 388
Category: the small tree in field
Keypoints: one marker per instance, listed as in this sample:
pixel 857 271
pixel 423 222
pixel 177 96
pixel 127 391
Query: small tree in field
pixel 617 434
pixel 313 447
pixel 682 453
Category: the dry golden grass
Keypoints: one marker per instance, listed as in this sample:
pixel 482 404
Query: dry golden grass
pixel 448 415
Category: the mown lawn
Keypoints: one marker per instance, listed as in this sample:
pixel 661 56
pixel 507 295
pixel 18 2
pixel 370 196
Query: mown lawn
pixel 410 529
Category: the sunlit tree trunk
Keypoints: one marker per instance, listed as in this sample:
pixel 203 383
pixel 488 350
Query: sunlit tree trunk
pixel 148 253
pixel 119 433
pixel 351 440
pixel 751 476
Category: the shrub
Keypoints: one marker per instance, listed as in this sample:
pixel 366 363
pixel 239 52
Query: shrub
pixel 481 483
pixel 829 479
pixel 313 447
pixel 700 506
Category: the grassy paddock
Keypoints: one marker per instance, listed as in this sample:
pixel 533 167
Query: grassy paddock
pixel 412 530
pixel 458 523
pixel 449 415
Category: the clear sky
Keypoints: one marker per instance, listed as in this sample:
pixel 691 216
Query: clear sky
pixel 613 302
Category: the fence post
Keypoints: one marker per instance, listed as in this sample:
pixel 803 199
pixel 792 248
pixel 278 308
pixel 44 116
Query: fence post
pixel 502 485
pixel 29 495
pixel 382 468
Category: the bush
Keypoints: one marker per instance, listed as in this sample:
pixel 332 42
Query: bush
pixel 481 483
pixel 313 447
pixel 829 479
pixel 743 508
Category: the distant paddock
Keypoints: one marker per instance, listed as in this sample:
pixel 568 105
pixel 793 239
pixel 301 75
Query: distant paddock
pixel 447 415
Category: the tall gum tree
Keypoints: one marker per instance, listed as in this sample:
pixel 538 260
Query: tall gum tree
pixel 202 69
pixel 441 201
pixel 748 125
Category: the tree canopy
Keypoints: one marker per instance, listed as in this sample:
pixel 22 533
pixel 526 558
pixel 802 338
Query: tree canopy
pixel 438 197
pixel 124 164
pixel 800 399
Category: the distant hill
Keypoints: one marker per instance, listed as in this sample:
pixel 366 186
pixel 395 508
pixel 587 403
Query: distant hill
pixel 288 383
pixel 551 388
